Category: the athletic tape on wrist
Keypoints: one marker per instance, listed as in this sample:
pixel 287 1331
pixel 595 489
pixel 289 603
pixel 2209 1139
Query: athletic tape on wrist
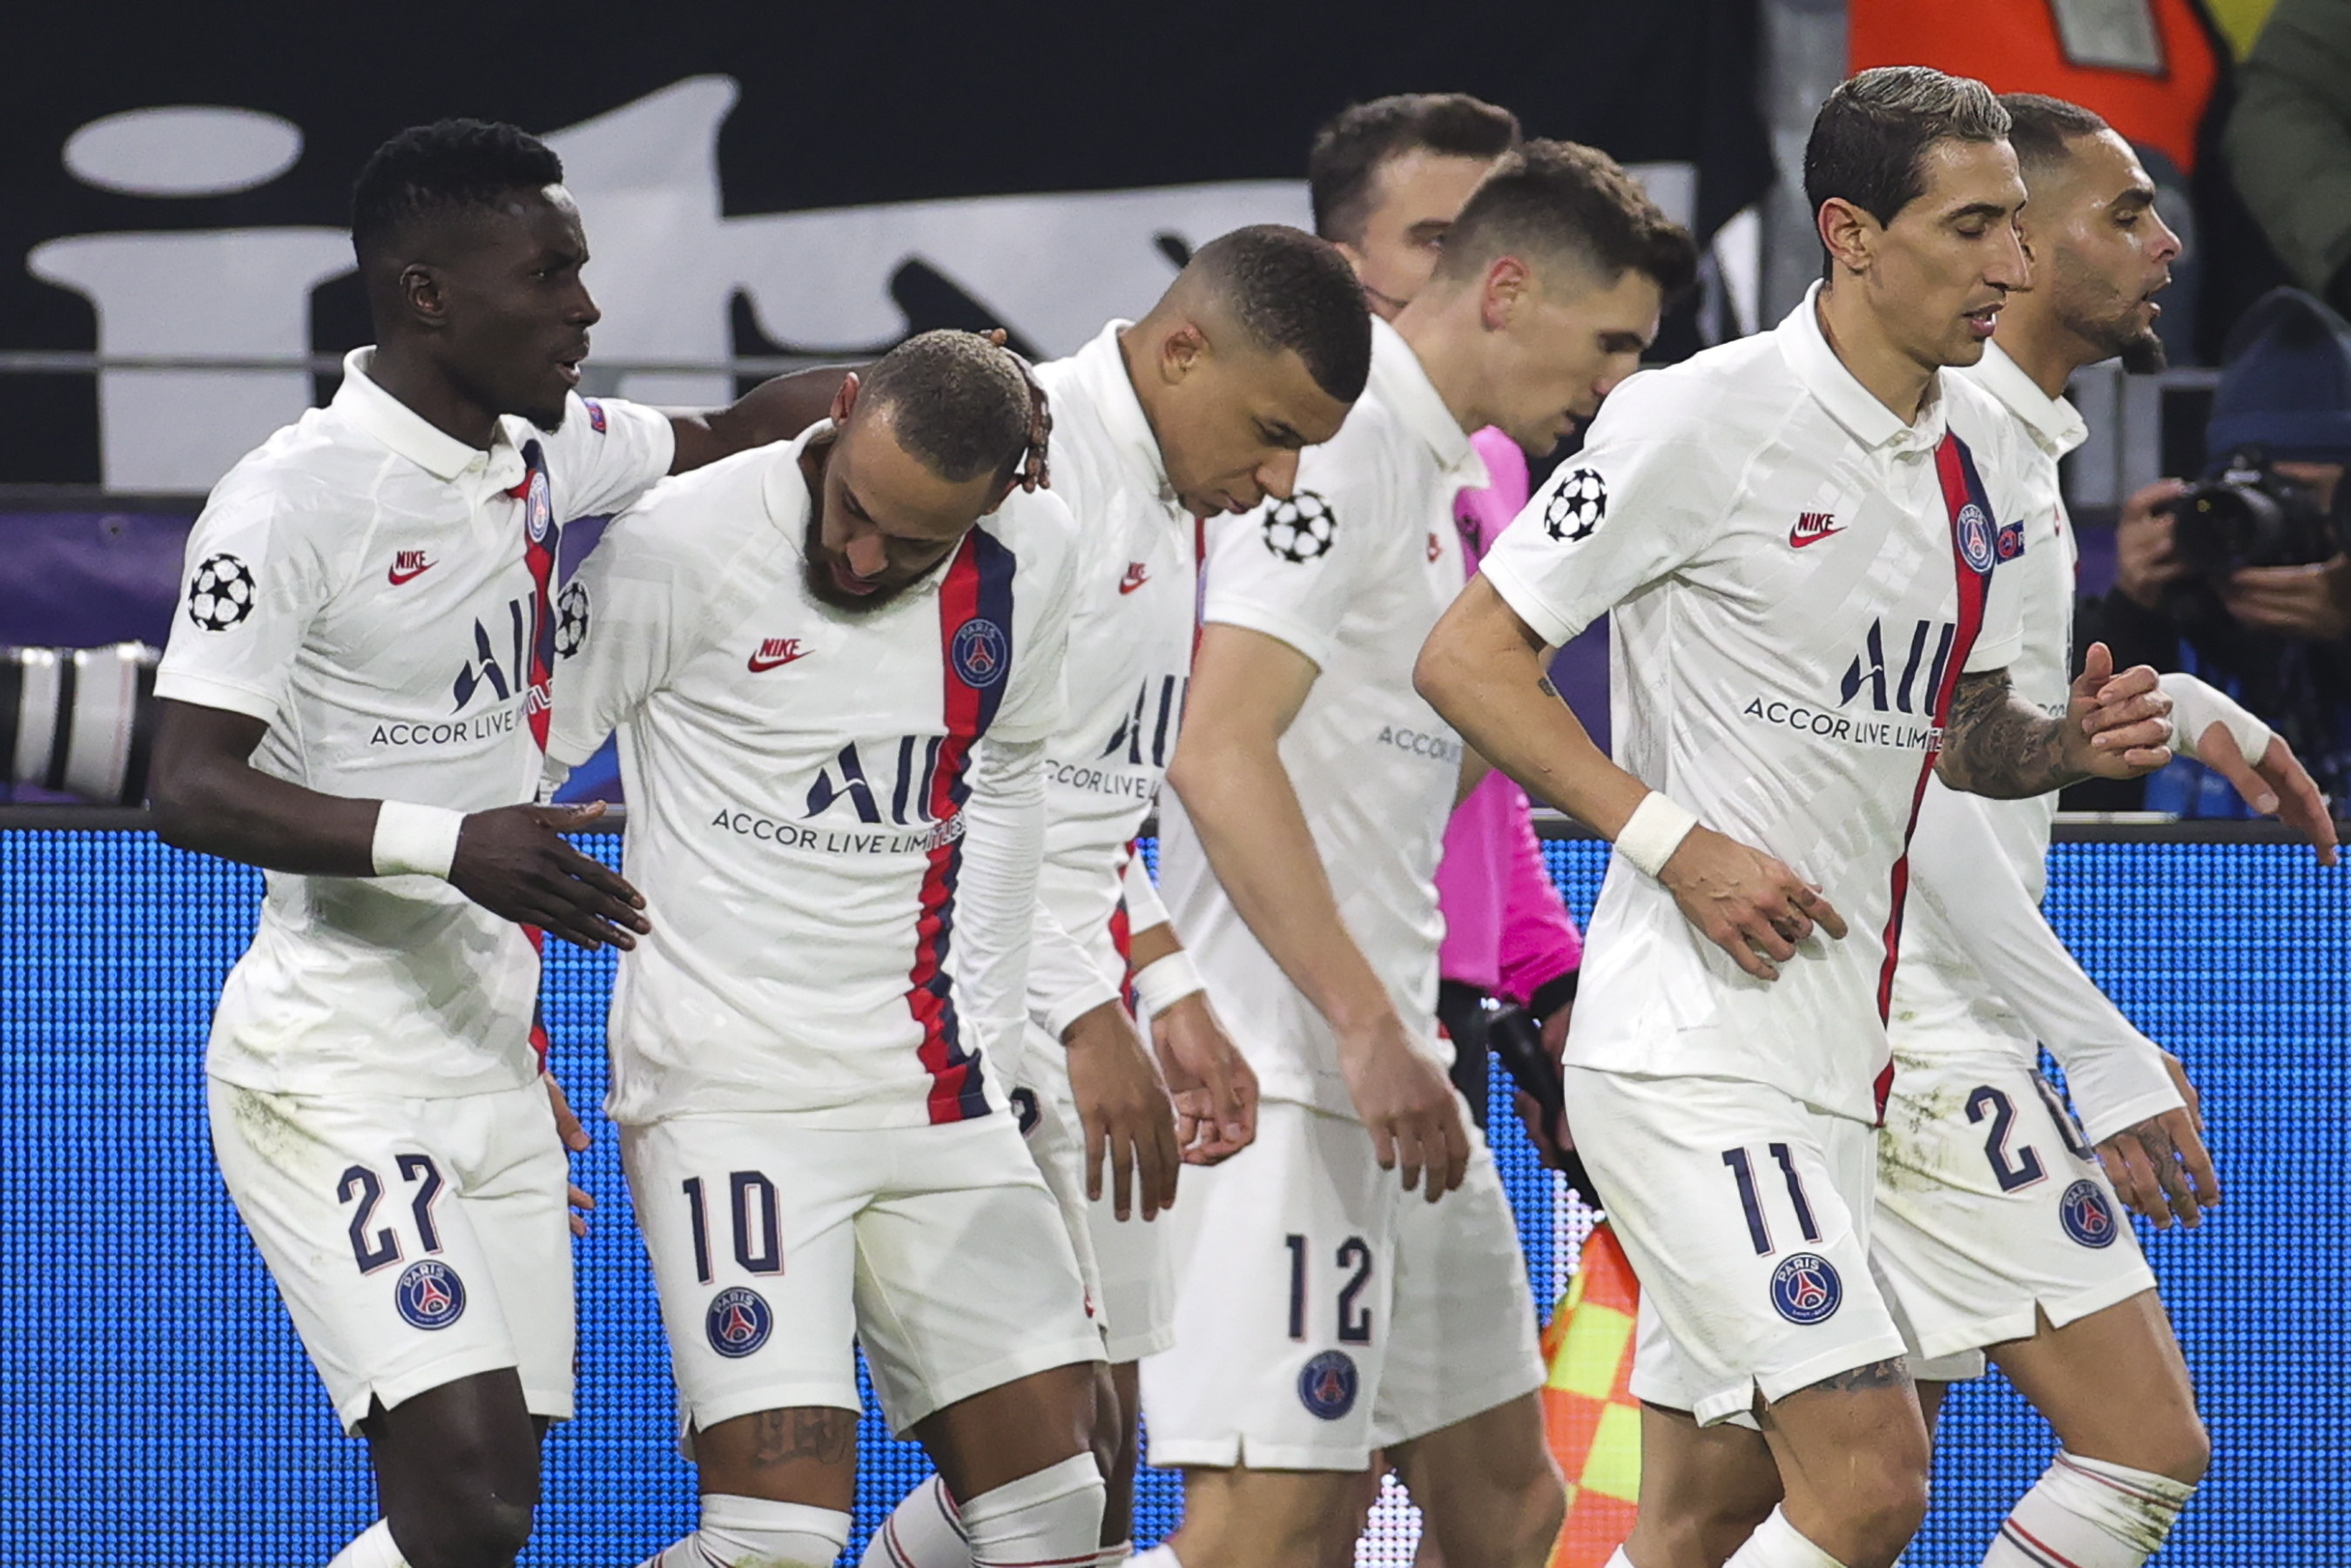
pixel 1162 983
pixel 415 840
pixel 2196 707
pixel 1654 832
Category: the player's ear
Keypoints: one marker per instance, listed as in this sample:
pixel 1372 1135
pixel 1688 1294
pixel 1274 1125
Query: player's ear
pixel 1182 351
pixel 1847 233
pixel 844 398
pixel 422 296
pixel 1502 292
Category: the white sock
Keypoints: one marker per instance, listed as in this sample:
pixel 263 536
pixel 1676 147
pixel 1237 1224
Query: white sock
pixel 2087 1513
pixel 755 1533
pixel 373 1548
pixel 1776 1543
pixel 922 1532
pixel 1617 1559
pixel 1160 1556
pixel 1052 1517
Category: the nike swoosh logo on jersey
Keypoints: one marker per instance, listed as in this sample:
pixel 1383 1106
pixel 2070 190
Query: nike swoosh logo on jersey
pixel 1136 576
pixel 408 565
pixel 1812 527
pixel 776 653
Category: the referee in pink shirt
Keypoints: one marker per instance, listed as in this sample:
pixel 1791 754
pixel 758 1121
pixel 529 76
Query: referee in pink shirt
pixel 1387 178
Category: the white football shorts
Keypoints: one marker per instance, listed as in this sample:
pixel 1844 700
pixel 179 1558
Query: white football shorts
pixel 1745 1214
pixel 1129 1276
pixel 776 1245
pixel 1321 1312
pixel 414 1241
pixel 1990 1209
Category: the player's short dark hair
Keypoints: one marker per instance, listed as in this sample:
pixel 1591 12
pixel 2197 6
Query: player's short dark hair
pixel 959 402
pixel 1869 141
pixel 1562 201
pixel 1289 290
pixel 2042 129
pixel 1352 146
pixel 443 166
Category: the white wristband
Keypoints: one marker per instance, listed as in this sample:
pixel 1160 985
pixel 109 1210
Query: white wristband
pixel 415 840
pixel 1654 832
pixel 1162 983
pixel 2197 707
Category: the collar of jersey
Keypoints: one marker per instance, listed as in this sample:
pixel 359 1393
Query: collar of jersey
pixel 410 435
pixel 1102 366
pixel 1402 384
pixel 2055 423
pixel 1840 391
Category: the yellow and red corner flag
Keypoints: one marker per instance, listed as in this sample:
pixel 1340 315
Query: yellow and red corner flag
pixel 1589 1411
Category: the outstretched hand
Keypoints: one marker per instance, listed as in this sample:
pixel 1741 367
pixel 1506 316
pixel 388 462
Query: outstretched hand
pixel 2275 785
pixel 513 862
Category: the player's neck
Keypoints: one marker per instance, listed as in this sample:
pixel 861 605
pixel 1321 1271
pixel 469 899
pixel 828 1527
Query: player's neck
pixel 2041 347
pixel 1447 341
pixel 429 393
pixel 1860 342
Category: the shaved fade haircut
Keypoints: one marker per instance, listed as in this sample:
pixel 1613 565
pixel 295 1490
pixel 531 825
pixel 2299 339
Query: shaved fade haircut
pixel 1288 291
pixel 956 402
pixel 1359 141
pixel 444 167
pixel 1869 141
pixel 2042 129
pixel 1554 201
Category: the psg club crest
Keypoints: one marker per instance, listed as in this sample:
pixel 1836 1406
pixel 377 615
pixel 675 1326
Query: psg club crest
pixel 1805 1289
pixel 738 1321
pixel 538 504
pixel 221 593
pixel 1327 1385
pixel 1576 507
pixel 2011 543
pixel 1976 543
pixel 2086 1214
pixel 1301 529
pixel 980 652
pixel 430 1295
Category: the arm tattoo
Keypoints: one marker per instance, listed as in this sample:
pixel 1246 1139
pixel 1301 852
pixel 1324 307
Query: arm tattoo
pixel 1894 1374
pixel 1542 685
pixel 809 1432
pixel 1995 745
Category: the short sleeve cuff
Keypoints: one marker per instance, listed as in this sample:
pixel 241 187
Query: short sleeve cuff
pixel 1309 641
pixel 205 691
pixel 1527 603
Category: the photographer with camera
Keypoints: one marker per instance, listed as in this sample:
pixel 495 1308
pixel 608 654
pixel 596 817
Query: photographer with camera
pixel 2242 576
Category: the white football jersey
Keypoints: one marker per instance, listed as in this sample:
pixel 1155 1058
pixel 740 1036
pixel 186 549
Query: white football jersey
pixel 797 777
pixel 1132 626
pixel 1353 571
pixel 1946 1003
pixel 1797 579
pixel 383 596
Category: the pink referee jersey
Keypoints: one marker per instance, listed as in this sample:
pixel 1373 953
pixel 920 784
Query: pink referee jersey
pixel 1506 931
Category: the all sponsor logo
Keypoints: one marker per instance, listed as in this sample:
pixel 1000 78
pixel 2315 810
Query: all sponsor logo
pixel 1812 527
pixel 1805 1289
pixel 407 565
pixel 429 1295
pixel 1327 1385
pixel 738 1321
pixel 774 653
pixel 2086 1214
pixel 980 652
pixel 1977 544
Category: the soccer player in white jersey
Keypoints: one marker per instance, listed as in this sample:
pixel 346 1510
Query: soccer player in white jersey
pixel 1797 536
pixel 355 698
pixel 832 664
pixel 1995 1232
pixel 1326 1310
pixel 1256 350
